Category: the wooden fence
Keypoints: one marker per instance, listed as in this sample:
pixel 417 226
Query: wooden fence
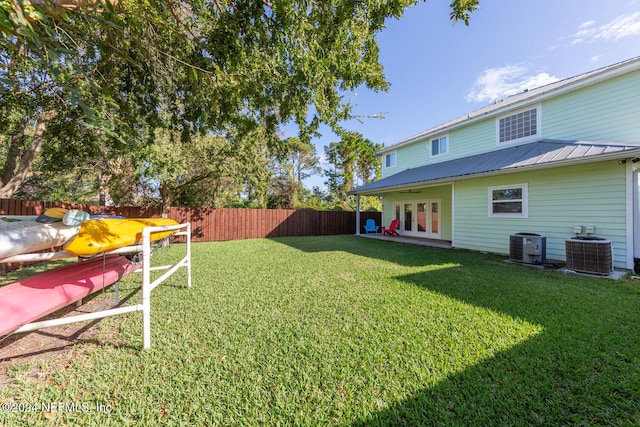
pixel 210 225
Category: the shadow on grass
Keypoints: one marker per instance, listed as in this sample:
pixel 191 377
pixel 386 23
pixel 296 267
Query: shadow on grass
pixel 583 368
pixel 399 253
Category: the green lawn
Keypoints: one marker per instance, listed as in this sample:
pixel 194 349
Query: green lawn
pixel 341 330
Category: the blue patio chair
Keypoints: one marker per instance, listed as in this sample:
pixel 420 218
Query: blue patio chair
pixel 370 226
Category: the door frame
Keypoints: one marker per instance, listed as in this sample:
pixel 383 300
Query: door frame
pixel 399 209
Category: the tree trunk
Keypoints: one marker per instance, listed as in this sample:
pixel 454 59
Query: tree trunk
pixel 15 149
pixel 10 187
pixel 167 199
pixel 102 189
pixel 348 177
pixel 293 195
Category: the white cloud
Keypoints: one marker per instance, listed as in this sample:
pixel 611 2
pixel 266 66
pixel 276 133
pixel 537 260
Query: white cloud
pixel 497 83
pixel 621 27
pixel 586 24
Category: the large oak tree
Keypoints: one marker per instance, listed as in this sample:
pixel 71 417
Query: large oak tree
pixel 118 71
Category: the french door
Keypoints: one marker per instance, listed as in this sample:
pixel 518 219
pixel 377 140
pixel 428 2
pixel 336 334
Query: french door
pixel 419 218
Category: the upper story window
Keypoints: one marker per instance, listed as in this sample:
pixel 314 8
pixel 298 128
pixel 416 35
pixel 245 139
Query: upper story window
pixel 509 201
pixel 439 146
pixel 389 160
pixel 519 126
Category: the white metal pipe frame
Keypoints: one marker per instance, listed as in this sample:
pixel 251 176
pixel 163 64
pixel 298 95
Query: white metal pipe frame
pixel 147 285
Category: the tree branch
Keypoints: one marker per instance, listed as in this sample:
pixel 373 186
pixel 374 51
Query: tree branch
pixel 72 4
pixel 218 6
pixel 10 187
pixel 179 21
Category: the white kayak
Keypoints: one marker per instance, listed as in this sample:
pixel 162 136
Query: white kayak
pixel 20 235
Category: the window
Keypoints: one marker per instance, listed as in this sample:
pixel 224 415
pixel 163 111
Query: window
pixel 518 126
pixel 390 160
pixel 509 201
pixel 439 146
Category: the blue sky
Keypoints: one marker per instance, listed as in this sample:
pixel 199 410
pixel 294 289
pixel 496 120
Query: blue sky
pixel 439 71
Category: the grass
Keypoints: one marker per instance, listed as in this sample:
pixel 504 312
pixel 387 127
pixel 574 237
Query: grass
pixel 341 330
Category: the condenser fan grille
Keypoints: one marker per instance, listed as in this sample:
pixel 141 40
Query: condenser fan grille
pixel 589 255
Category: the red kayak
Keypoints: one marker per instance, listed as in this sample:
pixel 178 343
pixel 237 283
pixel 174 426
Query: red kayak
pixel 33 298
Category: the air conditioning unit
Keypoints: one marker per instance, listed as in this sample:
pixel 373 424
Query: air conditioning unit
pixel 529 248
pixel 593 255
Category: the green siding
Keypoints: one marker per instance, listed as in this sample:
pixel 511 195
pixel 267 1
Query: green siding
pixel 475 139
pixel 559 199
pixel 413 156
pixel 462 143
pixel 607 111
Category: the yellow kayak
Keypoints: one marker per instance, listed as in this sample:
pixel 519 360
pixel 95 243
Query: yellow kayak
pixel 103 235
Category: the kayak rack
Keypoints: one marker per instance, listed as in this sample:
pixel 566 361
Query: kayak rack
pixel 147 284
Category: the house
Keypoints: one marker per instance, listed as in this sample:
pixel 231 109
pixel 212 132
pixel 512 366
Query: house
pixel 560 160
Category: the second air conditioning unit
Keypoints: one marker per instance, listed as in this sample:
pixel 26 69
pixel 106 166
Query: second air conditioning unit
pixel 529 248
pixel 592 255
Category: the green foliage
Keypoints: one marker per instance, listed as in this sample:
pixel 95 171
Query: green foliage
pixel 207 171
pixel 370 204
pixel 353 158
pixel 75 186
pixel 211 64
pixel 293 161
pixel 461 10
pixel 114 75
pixel 326 201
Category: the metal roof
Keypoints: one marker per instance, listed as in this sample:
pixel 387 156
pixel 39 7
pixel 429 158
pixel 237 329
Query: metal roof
pixel 534 155
pixel 528 97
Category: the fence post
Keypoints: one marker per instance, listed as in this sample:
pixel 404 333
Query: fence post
pixel 358 215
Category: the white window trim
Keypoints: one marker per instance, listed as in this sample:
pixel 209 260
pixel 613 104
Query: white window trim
pixel 529 138
pixel 431 142
pixel 525 202
pixel 395 160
